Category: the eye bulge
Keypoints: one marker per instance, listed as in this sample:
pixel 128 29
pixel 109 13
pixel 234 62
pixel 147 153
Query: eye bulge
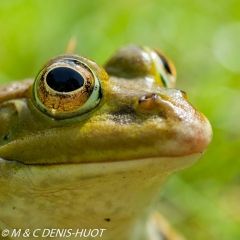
pixel 66 87
pixel 138 62
pixel 164 66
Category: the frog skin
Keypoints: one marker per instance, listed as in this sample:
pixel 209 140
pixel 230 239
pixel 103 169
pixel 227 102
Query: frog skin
pixel 86 147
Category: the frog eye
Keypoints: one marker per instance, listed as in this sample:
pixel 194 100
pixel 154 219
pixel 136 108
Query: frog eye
pixel 164 67
pixel 66 87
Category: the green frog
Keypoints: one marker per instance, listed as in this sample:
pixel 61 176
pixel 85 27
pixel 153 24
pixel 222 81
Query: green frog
pixel 85 149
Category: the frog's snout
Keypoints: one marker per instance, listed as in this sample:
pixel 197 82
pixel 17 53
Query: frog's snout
pixel 149 101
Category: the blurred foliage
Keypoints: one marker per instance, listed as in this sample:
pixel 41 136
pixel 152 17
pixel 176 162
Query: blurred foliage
pixel 202 38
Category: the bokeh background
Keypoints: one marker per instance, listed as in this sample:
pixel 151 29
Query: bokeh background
pixel 202 37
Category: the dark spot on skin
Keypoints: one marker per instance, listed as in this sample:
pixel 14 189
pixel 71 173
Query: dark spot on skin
pixel 6 137
pixel 107 219
pixel 128 115
pixel 162 115
pixel 123 119
pixel 124 115
pixel 13 208
pixel 125 110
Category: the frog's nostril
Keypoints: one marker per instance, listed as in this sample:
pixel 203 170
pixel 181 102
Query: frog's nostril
pixel 148 97
pixel 149 101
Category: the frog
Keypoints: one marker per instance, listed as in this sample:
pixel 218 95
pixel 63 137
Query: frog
pixel 86 149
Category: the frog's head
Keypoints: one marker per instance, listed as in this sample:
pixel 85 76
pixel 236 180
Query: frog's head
pixel 104 140
pixel 75 113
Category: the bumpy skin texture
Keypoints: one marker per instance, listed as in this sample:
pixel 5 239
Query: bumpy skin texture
pixel 104 168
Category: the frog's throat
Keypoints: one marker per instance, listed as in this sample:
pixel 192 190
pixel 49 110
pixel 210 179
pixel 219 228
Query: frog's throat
pixel 90 193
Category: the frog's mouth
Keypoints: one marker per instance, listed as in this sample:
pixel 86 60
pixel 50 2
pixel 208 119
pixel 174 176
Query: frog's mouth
pixel 159 166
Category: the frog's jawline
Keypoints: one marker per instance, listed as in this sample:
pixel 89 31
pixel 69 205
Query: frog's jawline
pixel 171 164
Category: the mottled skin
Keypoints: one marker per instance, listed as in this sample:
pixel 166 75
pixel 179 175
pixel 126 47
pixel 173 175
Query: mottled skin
pixel 103 168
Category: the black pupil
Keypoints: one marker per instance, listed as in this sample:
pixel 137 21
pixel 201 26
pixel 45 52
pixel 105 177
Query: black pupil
pixel 165 64
pixel 63 79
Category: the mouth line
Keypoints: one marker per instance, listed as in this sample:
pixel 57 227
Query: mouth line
pixel 98 162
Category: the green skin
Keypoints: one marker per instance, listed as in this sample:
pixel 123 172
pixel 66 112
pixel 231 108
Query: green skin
pixel 102 168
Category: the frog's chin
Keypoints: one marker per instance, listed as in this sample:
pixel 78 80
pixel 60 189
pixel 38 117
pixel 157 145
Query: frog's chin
pixel 87 191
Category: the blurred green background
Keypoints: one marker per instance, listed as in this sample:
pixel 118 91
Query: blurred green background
pixel 202 37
